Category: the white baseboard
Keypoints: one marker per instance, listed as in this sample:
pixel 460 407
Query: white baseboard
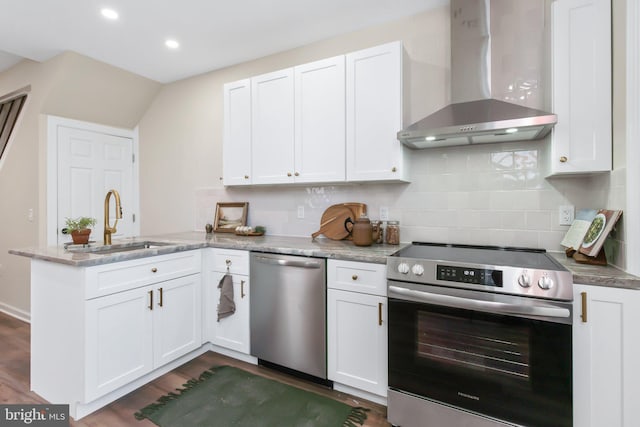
pixel 12 311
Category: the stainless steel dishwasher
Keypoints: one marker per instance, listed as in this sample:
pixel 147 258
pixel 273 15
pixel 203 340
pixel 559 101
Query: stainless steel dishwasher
pixel 288 312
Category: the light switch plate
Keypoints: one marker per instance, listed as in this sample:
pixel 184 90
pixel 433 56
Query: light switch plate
pixel 300 212
pixel 384 213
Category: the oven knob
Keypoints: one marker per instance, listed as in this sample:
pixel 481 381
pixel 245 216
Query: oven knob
pixel 417 269
pixel 524 281
pixel 403 268
pixel 545 282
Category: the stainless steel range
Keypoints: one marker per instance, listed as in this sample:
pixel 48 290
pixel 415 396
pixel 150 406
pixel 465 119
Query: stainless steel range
pixel 478 336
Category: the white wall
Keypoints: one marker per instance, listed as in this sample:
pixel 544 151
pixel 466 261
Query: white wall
pixel 68 85
pixel 492 194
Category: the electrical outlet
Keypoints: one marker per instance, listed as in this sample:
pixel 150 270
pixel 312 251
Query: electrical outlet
pixel 30 215
pixel 301 212
pixel 384 213
pixel 566 214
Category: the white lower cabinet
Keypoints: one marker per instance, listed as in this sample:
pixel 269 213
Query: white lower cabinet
pixel 357 327
pixel 606 355
pixel 230 332
pixel 89 350
pixel 131 333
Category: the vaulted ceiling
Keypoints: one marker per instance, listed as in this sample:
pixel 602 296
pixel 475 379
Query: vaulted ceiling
pixel 211 34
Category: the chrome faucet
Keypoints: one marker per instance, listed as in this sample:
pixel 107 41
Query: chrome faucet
pixel 108 230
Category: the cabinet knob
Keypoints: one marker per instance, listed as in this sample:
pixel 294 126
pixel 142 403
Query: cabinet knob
pixel 354 277
pixel 563 159
pixel 288 173
pixel 154 270
pixel 296 174
pixel 246 177
pixel 394 169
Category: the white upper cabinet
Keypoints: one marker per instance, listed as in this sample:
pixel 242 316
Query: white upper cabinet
pixel 374 114
pixel 236 148
pixel 581 140
pixel 332 120
pixel 272 125
pixel 320 121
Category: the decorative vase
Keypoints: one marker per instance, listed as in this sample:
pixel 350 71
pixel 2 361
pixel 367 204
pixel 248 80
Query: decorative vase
pixel 81 237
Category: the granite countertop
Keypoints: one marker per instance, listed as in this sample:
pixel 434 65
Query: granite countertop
pixel 586 274
pixel 304 246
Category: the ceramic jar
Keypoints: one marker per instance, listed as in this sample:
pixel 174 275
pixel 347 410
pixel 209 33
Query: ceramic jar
pixel 361 231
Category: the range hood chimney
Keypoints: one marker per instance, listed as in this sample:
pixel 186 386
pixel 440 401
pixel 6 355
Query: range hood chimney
pixel 474 117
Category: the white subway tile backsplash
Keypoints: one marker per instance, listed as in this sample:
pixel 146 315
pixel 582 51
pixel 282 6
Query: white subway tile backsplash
pixel 494 194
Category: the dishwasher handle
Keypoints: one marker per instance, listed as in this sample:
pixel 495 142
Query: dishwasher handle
pixel 289 262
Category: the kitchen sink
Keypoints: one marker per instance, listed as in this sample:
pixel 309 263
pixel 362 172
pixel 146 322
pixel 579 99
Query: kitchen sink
pixel 120 247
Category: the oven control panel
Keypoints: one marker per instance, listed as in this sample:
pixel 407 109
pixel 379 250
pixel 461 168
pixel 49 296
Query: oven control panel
pixel 476 276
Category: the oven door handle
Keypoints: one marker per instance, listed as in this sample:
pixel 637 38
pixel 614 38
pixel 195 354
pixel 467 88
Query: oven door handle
pixel 479 305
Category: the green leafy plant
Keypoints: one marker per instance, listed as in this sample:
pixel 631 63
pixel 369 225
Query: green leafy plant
pixel 80 223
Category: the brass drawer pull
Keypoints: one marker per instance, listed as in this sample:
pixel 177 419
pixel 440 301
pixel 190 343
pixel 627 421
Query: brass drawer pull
pixel 242 294
pixel 563 159
pixel 154 270
pixel 379 314
pixel 160 304
pixel 151 300
pixel 354 277
pixel 583 315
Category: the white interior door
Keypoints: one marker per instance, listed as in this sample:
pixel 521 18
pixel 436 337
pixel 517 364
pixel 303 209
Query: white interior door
pixel 89 164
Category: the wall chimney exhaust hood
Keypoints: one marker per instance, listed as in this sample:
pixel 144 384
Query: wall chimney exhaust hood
pixel 474 117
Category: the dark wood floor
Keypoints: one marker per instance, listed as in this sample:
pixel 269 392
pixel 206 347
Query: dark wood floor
pixel 14 382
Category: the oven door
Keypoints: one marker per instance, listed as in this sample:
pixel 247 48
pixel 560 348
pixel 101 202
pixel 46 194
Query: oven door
pixel 499 356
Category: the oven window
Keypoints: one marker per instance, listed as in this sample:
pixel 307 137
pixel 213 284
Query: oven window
pixel 478 345
pixel 504 367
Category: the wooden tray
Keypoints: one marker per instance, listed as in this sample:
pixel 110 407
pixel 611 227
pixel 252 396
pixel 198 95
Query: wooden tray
pixel 253 234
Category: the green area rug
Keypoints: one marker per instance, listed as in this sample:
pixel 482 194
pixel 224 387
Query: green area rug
pixel 226 396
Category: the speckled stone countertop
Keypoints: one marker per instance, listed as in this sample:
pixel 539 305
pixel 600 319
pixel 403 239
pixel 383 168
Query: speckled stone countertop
pixel 304 246
pixel 586 274
pixel 324 248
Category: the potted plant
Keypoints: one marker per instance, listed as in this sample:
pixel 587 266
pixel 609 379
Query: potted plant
pixel 80 229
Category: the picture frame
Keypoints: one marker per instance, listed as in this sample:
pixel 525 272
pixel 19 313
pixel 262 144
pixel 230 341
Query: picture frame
pixel 229 216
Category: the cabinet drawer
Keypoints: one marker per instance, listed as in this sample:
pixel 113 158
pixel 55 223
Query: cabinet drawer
pixel 110 278
pixel 237 261
pixel 354 276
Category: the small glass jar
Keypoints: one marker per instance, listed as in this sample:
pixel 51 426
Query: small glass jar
pixel 392 233
pixel 376 232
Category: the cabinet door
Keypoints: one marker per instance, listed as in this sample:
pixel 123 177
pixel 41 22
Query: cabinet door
pixel 374 114
pixel 606 372
pixel 230 332
pixel 357 340
pixel 177 323
pixel 272 115
pixel 119 335
pixel 236 146
pixel 581 86
pixel 320 121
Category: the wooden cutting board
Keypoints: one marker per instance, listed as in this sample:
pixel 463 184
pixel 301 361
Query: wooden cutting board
pixel 333 218
pixel 332 222
pixel 357 208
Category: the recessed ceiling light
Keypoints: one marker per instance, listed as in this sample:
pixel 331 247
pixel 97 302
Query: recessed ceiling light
pixel 511 130
pixel 430 138
pixel 109 13
pixel 172 44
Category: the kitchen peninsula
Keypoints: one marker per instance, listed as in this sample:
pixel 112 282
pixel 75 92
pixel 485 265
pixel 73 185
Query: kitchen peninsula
pixel 133 314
